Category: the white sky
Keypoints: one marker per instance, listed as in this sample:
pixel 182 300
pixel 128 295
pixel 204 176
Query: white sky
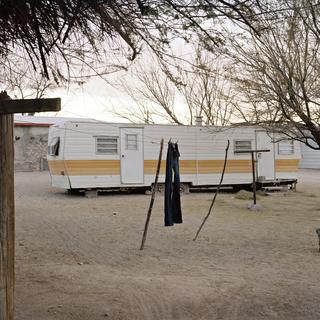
pixel 97 98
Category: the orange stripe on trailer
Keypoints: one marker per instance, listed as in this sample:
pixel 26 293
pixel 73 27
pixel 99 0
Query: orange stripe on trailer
pixel 203 167
pixel 216 166
pixel 150 166
pixel 85 167
pixel 112 167
pixel 287 165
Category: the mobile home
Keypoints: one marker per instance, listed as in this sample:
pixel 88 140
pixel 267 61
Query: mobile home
pixel 84 155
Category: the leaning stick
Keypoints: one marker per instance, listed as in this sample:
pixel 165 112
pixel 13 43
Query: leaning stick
pixel 318 233
pixel 152 198
pixel 217 191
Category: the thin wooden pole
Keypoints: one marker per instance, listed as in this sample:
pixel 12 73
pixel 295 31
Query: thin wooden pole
pixel 254 179
pixel 217 191
pixel 7 225
pixel 144 237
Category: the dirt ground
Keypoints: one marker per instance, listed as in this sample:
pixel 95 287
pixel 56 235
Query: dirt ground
pixel 78 258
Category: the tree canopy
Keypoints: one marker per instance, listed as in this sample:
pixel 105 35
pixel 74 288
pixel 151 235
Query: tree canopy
pixel 55 32
pixel 274 46
pixel 277 72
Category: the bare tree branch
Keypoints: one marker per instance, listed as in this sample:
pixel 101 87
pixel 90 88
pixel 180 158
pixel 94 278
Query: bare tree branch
pixel 278 78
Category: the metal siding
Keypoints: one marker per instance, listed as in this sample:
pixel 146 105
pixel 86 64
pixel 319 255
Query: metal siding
pixel 310 158
pixel 202 152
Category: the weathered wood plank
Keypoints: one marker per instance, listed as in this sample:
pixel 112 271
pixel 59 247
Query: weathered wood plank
pixel 29 105
pixel 7 211
pixel 7 218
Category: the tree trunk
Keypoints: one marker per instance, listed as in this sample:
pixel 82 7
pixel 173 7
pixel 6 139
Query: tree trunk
pixel 7 228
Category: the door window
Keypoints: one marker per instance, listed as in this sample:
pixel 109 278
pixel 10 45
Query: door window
pixel 131 142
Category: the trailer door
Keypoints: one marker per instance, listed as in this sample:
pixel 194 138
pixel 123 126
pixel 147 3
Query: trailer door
pixel 131 155
pixel 265 160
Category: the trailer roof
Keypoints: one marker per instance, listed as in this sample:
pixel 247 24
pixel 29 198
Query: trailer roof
pixel 128 124
pixel 40 121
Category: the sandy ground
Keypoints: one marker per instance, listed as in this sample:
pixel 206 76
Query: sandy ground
pixel 78 258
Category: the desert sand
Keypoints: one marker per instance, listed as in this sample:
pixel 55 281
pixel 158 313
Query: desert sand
pixel 79 258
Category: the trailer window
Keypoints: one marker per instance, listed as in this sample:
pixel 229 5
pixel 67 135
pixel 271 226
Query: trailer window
pixel 106 145
pixel 131 141
pixel 285 147
pixel 53 147
pixel 241 145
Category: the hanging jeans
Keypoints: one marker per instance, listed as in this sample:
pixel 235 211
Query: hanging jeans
pixel 172 204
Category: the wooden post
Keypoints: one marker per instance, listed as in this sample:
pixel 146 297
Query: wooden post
pixel 7 221
pixel 254 183
pixel 217 191
pixel 318 234
pixel 154 190
pixel 254 186
pixel 7 214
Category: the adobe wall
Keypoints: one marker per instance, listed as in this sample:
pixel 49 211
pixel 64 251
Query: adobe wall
pixel 30 148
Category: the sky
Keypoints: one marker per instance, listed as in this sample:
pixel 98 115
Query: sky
pixel 97 98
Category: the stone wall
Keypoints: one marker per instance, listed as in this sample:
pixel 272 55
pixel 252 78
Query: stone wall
pixel 31 148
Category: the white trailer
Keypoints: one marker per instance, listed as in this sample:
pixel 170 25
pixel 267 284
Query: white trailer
pixel 84 155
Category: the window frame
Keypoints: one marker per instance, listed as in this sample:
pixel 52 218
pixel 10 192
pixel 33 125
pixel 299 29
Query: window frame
pixel 286 153
pixel 235 150
pixel 116 138
pixel 136 141
pixel 54 147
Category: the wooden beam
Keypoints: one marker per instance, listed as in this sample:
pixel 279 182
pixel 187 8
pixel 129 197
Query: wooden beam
pixel 29 105
pixel 7 211
pixel 7 219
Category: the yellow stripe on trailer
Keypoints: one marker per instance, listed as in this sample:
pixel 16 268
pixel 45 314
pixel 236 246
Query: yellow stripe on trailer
pixel 112 167
pixel 84 167
pixel 287 165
